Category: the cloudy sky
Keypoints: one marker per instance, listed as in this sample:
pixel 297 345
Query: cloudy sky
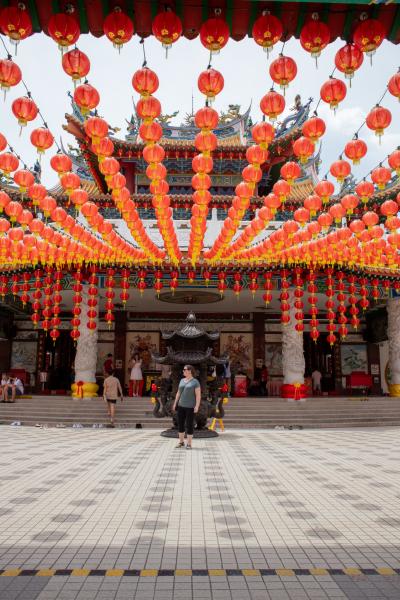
pixel 244 66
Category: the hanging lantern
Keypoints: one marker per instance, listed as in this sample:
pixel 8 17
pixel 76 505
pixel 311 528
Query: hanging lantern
pixel 16 23
pixel 364 302
pixel 10 74
pixel 303 148
pixel 8 163
pixel 394 161
pixel 378 119
pixel 348 59
pixel 148 108
pixel 173 284
pixel 206 276
pixel 281 189
pixel 253 284
pixel 381 177
pixel 3 142
pixel 340 169
pixel 301 215
pixel 42 139
pixel 237 286
pixel 355 150
pixel 214 34
pixel 145 82
pixel 365 190
pixel 284 297
pixel 324 189
pixel 314 128
pixel 290 171
pixel 61 163
pixel 142 273
pixel 3 286
pixel 124 295
pixel 369 35
pixel 370 219
pixel 96 128
pixel 393 85
pixel 210 83
pixel 267 31
pixel 315 36
pixel 221 283
pixel 263 134
pixel 63 29
pixel 118 28
pixel 25 110
pixel 110 295
pixel 313 204
pixel 76 64
pixel 282 71
pixel 272 105
pixel 86 97
pixel 267 296
pixel 167 28
pixel 333 92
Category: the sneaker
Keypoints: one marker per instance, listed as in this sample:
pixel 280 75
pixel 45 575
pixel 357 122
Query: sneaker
pixel 15 424
pixel 180 445
pixel 188 447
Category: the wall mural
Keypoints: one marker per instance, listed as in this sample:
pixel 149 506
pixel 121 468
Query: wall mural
pixel 273 359
pixel 23 356
pixel 354 358
pixel 240 350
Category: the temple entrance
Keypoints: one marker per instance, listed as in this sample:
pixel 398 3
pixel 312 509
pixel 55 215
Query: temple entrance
pixel 320 355
pixel 58 362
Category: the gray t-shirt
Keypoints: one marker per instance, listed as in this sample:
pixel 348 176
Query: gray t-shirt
pixel 187 394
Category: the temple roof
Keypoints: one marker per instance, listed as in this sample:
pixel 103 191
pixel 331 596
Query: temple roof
pixel 190 331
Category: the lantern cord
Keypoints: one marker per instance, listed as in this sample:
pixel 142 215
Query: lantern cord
pixel 144 53
pixel 30 96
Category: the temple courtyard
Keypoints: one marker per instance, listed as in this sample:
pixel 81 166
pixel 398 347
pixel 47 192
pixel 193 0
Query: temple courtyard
pixel 254 514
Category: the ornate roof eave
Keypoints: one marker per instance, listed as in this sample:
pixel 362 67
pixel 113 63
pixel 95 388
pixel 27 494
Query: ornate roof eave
pixel 190 331
pixel 190 357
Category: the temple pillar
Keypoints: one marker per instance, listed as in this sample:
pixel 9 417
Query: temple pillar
pixel 121 322
pixel 258 338
pixel 86 353
pixel 293 362
pixel 393 310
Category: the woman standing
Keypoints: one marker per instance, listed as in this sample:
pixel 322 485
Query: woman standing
pixel 187 400
pixel 136 374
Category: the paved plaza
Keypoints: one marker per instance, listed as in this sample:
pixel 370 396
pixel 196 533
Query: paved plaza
pixel 104 514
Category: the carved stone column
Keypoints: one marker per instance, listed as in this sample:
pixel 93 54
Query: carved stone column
pixel 393 310
pixel 86 354
pixel 292 355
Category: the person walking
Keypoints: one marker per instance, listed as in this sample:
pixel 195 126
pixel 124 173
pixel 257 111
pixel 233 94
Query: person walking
pixel 112 390
pixel 187 400
pixel 316 377
pixel 136 374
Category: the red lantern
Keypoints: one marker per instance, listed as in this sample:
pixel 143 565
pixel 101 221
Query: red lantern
pixel 369 35
pixel 365 190
pixel 150 132
pixel 394 161
pixel 263 134
pixel 96 128
pixel 348 59
pixel 394 85
pixel 25 110
pixel 314 128
pixel 378 119
pixel 283 70
pixel 267 31
pixel 349 202
pixel 206 119
pixel 210 83
pixel 290 171
pixel 86 97
pixel 314 37
pixel 214 34
pixel 10 74
pixel 256 155
pixel 148 108
pixel 24 179
pixel 381 177
pixel 333 91
pixel 118 27
pixel 324 189
pixel 70 181
pixel 3 142
pixel 8 163
pixel 281 189
pixel 313 203
pixel 303 148
pixel 167 28
pixel 42 139
pixel 63 29
pixel 272 105
pixel 340 169
pixel 355 150
pixel 16 23
pixel 61 163
pixel 145 82
pixel 76 64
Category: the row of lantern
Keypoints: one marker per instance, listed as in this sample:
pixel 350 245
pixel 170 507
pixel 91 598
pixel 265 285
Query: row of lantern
pixel 267 30
pixel 145 82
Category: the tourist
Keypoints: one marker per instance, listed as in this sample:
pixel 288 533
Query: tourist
pixel 136 374
pixel 108 365
pixel 112 390
pixel 316 377
pixel 15 387
pixel 187 400
pixel 5 380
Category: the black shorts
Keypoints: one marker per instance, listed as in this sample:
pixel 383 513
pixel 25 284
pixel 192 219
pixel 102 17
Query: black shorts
pixel 111 401
pixel 185 419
